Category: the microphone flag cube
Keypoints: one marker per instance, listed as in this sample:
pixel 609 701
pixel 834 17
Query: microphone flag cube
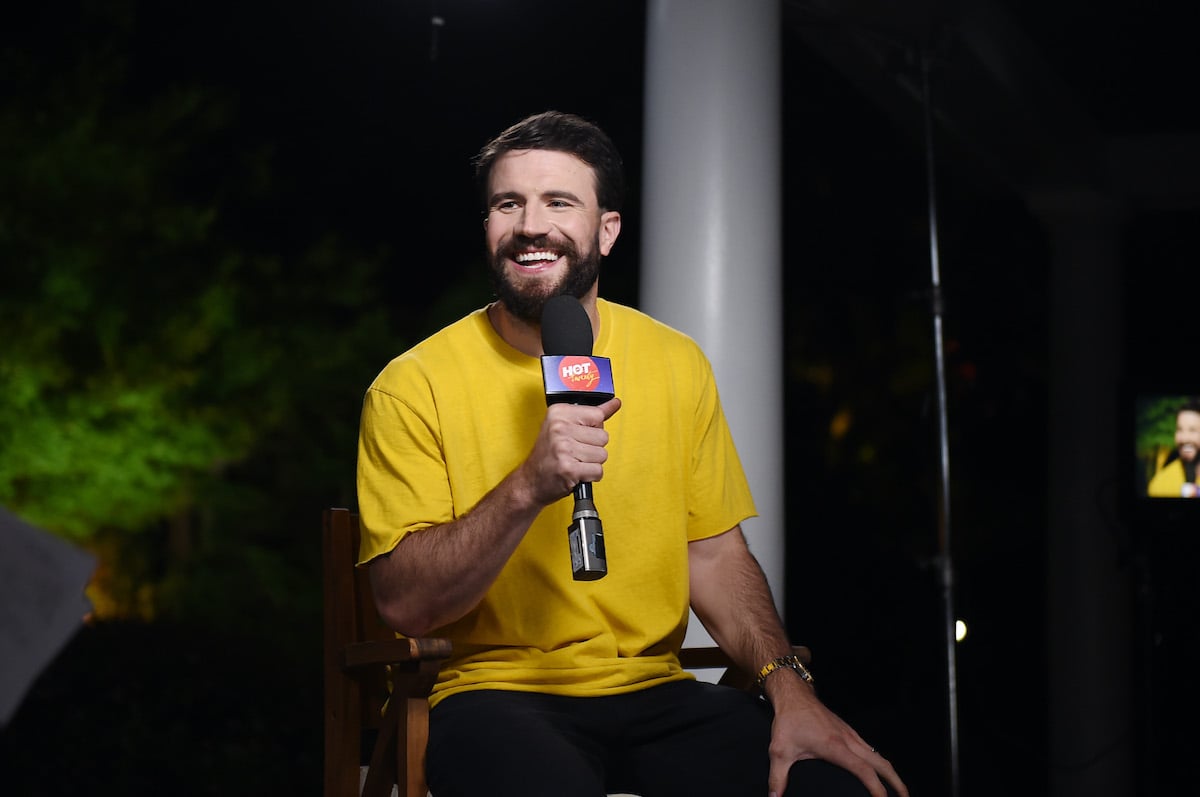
pixel 577 379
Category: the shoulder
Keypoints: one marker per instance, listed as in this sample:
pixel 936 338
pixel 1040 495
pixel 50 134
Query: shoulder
pixel 1168 481
pixel 628 324
pixel 647 353
pixel 449 350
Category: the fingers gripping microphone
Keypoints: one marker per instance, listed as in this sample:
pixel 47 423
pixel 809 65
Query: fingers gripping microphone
pixel 571 374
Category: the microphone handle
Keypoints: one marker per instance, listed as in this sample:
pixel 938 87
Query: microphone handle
pixel 586 536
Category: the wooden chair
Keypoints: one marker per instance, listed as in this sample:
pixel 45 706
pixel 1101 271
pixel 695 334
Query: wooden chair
pixel 359 649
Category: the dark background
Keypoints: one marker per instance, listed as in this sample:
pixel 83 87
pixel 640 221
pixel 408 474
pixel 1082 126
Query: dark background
pixel 358 120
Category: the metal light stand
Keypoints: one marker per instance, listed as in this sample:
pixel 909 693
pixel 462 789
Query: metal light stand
pixel 944 560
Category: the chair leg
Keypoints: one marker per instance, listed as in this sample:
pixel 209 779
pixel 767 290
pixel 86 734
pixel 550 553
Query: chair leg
pixel 381 774
pixel 410 749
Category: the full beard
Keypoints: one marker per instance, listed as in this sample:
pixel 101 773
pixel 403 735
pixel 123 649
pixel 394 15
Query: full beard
pixel 525 298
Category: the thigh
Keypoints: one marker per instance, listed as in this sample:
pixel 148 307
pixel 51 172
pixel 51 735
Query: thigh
pixel 510 743
pixel 695 739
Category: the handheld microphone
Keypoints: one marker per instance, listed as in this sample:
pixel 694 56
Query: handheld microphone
pixel 571 374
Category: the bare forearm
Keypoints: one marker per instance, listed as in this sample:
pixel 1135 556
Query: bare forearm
pixel 730 595
pixel 437 575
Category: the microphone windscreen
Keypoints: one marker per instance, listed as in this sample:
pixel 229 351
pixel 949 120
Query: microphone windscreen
pixel 566 328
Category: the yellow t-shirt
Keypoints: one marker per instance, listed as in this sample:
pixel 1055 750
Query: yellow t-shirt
pixel 1171 482
pixel 445 422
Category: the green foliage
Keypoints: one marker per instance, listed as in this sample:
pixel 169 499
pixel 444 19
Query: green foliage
pixel 116 299
pixel 1155 423
pixel 176 394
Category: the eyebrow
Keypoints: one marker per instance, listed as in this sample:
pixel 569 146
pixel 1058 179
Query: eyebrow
pixel 556 194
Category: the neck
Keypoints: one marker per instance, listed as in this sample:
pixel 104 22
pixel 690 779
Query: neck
pixel 526 337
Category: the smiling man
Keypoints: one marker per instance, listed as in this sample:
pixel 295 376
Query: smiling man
pixel 559 687
pixel 542 234
pixel 1177 478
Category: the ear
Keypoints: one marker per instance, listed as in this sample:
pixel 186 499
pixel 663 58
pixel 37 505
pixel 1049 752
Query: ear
pixel 610 228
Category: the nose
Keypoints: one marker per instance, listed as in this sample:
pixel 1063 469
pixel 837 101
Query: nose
pixel 533 222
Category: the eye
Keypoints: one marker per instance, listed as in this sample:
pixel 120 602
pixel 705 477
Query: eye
pixel 558 204
pixel 507 206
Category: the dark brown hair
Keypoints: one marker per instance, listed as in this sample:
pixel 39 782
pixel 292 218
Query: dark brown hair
pixel 560 132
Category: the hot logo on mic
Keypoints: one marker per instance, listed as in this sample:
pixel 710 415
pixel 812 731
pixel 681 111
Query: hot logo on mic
pixel 581 373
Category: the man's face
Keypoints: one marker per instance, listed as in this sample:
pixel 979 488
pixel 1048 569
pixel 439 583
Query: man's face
pixel 546 233
pixel 1187 435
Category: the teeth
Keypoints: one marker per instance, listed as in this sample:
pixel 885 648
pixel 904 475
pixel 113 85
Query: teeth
pixel 529 257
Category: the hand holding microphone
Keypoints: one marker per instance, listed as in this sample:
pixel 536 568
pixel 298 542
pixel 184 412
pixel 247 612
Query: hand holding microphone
pixel 572 375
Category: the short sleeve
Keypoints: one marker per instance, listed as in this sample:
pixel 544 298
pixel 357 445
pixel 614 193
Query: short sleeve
pixel 402 481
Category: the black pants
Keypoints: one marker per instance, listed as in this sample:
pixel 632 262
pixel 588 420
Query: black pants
pixel 688 738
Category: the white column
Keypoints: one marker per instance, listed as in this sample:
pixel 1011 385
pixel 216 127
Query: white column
pixel 710 261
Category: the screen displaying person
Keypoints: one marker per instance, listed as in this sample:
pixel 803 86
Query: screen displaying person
pixel 1177 477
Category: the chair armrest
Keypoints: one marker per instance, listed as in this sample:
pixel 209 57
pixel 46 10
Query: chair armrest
pixel 713 657
pixel 399 652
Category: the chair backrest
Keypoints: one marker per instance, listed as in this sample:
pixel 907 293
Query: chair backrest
pixel 362 659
